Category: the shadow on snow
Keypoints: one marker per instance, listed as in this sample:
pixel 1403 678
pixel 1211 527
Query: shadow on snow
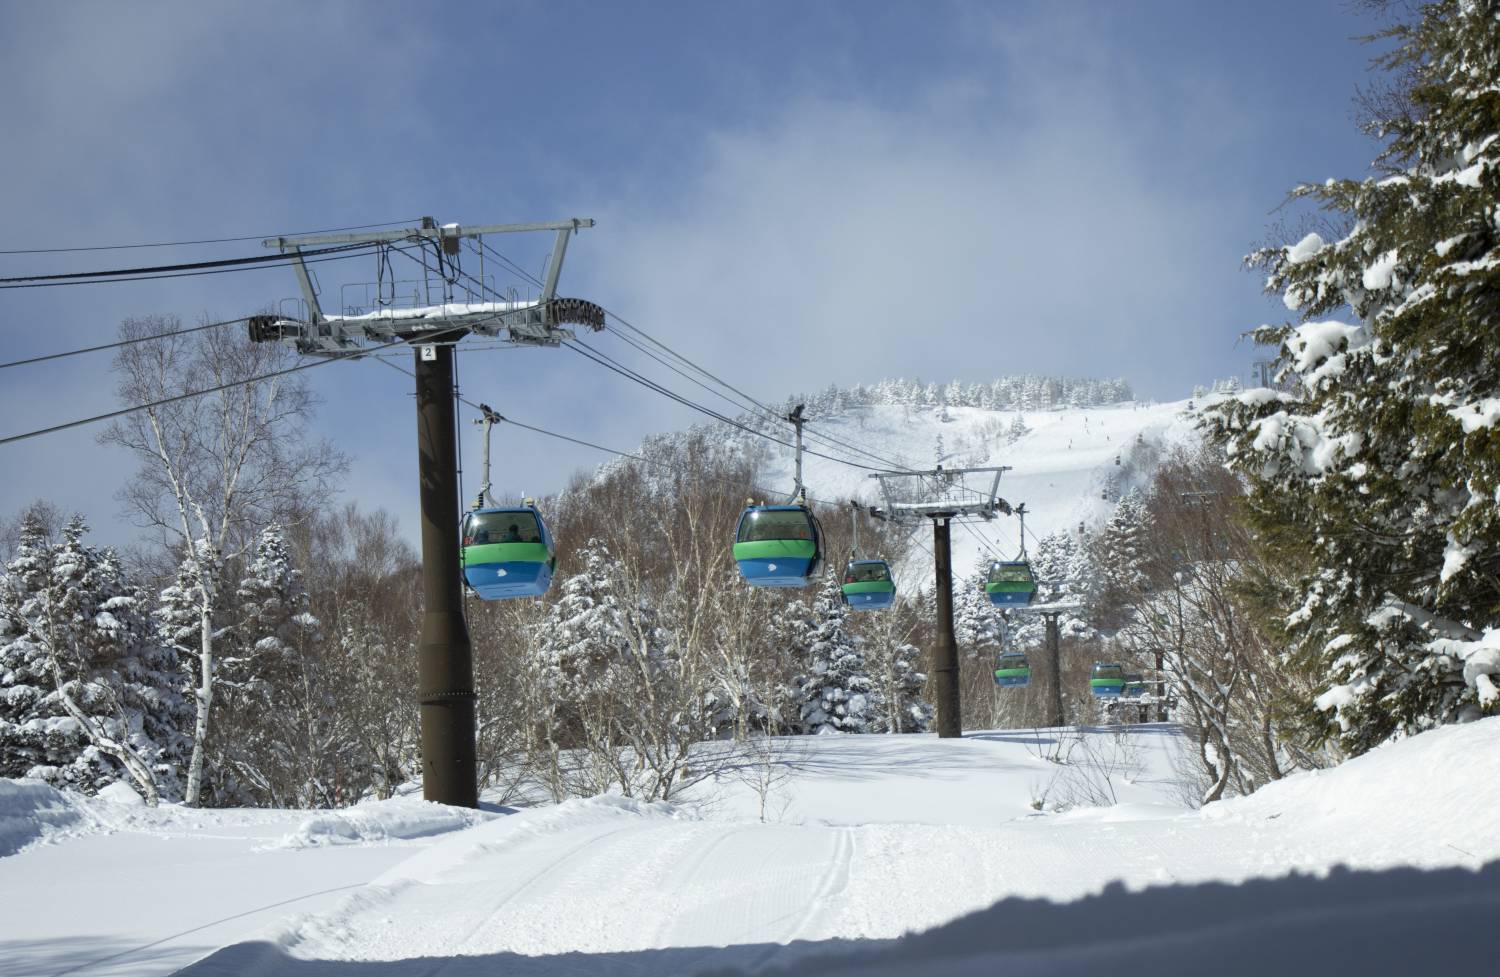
pixel 1393 923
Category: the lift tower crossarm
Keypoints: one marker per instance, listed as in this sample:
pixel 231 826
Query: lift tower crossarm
pixel 435 232
pixel 530 323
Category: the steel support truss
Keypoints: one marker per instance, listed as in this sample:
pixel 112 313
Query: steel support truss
pixel 534 322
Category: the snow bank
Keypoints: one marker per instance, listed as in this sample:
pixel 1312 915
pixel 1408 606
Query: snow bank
pixel 1437 793
pixel 31 811
pixel 378 822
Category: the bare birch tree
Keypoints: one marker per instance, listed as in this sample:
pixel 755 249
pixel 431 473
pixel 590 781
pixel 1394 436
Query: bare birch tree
pixel 214 469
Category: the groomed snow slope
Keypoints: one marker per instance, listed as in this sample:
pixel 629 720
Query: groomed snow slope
pixel 101 887
pixel 609 886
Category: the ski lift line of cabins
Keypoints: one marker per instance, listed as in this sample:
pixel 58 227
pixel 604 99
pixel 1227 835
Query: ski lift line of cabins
pixel 486 512
pixel 868 585
pixel 506 551
pixel 1010 582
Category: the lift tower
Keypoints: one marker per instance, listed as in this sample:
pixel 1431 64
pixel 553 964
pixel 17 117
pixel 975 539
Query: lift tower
pixel 445 659
pixel 940 495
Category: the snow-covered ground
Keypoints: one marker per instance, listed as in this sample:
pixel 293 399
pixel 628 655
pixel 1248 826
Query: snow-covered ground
pixel 870 838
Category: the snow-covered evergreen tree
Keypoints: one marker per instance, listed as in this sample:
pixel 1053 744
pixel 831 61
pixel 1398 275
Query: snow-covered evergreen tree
pixel 584 637
pixel 896 676
pixel 1064 572
pixel 977 624
pixel 834 693
pixel 1376 466
pixel 275 620
pixel 789 633
pixel 1119 553
pixel 278 711
pixel 612 685
pixel 88 697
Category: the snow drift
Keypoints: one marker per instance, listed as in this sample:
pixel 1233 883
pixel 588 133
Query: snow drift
pixel 31 811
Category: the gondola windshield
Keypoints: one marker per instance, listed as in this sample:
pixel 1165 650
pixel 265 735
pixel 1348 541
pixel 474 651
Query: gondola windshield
pixel 867 572
pixel 481 528
pixel 760 525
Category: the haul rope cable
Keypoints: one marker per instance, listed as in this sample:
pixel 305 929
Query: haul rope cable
pixel 335 358
pixel 217 240
pixel 603 359
pixel 772 414
pixel 123 342
pixel 768 493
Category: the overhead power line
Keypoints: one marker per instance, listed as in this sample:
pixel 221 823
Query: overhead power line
pixel 214 240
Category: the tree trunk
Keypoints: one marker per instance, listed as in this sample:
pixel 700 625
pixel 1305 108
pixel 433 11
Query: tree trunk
pixel 204 697
pixel 128 758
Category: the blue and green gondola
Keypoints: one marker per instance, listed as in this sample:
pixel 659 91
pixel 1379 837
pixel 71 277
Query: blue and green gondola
pixel 507 552
pixel 778 546
pixel 868 585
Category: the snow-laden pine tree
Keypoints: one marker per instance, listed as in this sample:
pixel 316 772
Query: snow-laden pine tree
pixel 1376 464
pixel 88 696
pixel 278 711
pixel 834 692
pixel 1119 555
pixel 895 671
pixel 584 636
pixel 1064 572
pixel 977 624
pixel 789 631
pixel 608 683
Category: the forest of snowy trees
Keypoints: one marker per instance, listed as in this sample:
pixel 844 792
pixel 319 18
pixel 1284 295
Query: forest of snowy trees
pixel 300 691
pixel 1319 576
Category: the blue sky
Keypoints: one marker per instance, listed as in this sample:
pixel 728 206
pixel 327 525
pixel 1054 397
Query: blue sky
pixel 792 194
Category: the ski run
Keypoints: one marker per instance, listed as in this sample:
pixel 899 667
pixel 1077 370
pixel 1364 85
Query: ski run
pixel 867 840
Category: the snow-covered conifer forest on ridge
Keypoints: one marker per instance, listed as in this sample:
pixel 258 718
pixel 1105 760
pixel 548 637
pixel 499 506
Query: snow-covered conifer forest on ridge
pixel 210 749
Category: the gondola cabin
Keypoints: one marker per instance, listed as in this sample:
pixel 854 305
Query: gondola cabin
pixel 507 552
pixel 777 546
pixel 1107 681
pixel 1135 687
pixel 1012 670
pixel 868 585
pixel 1010 583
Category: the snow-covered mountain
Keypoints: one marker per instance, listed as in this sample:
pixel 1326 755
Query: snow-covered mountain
pixel 1073 448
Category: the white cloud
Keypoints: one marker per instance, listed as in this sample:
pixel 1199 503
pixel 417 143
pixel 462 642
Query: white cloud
pixel 843 241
